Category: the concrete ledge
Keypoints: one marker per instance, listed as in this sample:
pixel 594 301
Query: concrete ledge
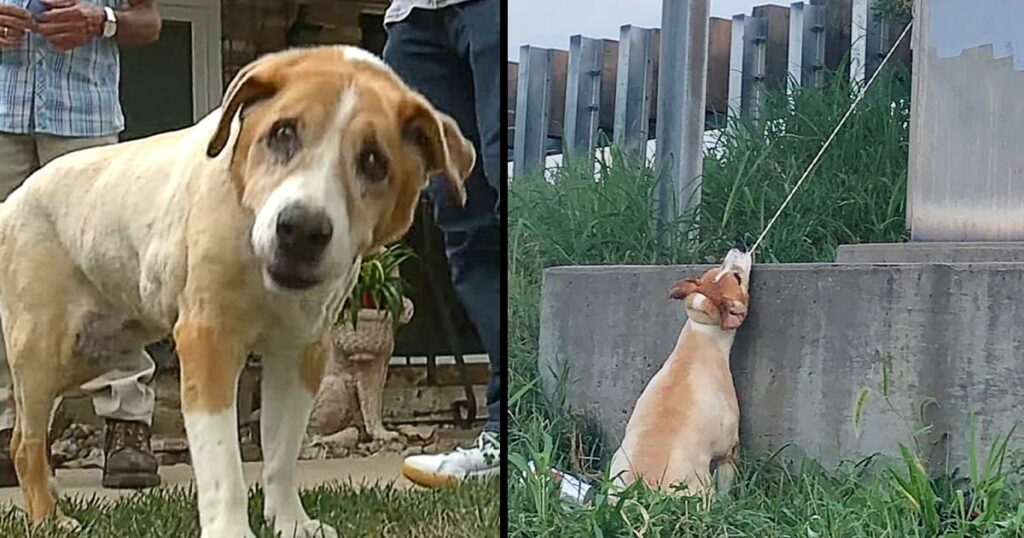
pixel 817 335
pixel 931 252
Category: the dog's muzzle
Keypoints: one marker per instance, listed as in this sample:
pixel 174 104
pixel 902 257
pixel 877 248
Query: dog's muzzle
pixel 302 236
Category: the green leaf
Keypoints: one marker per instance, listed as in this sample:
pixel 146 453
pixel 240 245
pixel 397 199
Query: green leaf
pixel 858 410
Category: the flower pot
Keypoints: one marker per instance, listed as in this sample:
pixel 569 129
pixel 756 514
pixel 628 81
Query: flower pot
pixel 352 388
pixel 373 336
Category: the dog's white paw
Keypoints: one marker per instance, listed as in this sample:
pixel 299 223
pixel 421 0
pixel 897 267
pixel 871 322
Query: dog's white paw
pixel 310 529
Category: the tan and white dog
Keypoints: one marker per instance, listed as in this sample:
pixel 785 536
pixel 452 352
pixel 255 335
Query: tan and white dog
pixel 242 233
pixel 686 421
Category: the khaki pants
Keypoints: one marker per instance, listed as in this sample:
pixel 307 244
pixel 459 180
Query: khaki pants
pixel 120 394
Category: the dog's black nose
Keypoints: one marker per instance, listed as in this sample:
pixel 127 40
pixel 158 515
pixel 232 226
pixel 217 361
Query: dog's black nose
pixel 303 233
pixel 740 245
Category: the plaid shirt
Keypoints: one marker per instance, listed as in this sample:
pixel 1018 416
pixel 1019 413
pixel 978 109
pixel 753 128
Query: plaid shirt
pixel 73 93
pixel 400 9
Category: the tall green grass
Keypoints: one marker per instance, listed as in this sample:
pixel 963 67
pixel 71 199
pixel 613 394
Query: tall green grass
pixel 774 500
pixel 857 194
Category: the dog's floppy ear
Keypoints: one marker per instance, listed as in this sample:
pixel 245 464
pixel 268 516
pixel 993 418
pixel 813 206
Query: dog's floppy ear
pixel 445 150
pixel 683 288
pixel 254 82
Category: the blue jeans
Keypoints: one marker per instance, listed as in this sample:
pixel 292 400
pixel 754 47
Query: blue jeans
pixel 453 57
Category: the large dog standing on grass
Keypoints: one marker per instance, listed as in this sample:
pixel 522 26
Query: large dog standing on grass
pixel 242 233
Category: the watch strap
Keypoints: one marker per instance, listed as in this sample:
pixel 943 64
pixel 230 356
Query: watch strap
pixel 110 24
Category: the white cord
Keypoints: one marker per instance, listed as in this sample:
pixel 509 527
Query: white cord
pixel 831 137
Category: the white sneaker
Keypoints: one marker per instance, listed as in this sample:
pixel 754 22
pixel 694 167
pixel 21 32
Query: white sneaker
pixel 478 461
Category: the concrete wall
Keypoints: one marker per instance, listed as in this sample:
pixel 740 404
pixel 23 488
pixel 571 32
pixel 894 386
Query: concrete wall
pixel 966 167
pixel 817 334
pixel 931 252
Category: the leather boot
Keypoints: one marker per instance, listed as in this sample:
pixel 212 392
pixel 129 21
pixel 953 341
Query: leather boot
pixel 130 463
pixel 8 476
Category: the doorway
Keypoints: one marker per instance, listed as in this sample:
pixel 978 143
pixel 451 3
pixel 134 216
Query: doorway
pixel 174 82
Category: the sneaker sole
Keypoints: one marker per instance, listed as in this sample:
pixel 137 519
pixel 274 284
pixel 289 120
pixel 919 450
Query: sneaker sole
pixel 131 481
pixel 433 480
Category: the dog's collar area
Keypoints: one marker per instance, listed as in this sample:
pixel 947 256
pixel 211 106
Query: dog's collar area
pixel 714 330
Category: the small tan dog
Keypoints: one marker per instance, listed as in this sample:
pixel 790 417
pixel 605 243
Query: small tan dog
pixel 686 422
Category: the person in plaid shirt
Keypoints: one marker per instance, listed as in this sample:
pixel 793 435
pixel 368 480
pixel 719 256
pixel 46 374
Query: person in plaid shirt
pixel 59 71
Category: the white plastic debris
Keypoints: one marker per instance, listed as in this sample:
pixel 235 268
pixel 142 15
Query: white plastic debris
pixel 571 488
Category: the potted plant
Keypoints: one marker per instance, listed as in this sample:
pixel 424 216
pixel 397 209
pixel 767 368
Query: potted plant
pixel 379 287
pixel 364 339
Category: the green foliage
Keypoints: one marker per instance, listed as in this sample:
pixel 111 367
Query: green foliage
pixel 379 286
pixel 856 194
pixel 774 498
pixel 898 12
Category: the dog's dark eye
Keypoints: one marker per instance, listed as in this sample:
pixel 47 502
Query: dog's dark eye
pixel 283 139
pixel 372 165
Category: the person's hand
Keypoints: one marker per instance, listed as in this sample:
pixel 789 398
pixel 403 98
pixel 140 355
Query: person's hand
pixel 69 23
pixel 14 22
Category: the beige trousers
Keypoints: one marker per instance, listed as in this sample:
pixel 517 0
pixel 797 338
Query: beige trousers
pixel 122 394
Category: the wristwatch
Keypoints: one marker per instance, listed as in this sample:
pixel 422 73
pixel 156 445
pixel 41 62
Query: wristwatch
pixel 110 24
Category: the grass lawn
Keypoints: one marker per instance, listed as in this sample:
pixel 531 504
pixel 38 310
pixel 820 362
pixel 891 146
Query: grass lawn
pixel 856 195
pixel 470 511
pixel 868 499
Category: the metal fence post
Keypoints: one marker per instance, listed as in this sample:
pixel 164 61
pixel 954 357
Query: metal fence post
pixel 863 36
pixel 737 38
pixel 871 36
pixel 583 95
pixel 716 98
pixel 754 34
pixel 807 43
pixel 533 105
pixel 512 69
pixel 765 56
pixel 633 90
pixel 682 80
pixel 796 47
pixel 966 160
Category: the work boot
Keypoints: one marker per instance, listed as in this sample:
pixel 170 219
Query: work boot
pixel 8 476
pixel 130 463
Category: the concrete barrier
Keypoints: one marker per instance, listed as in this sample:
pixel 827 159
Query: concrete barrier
pixel 817 335
pixel 934 252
